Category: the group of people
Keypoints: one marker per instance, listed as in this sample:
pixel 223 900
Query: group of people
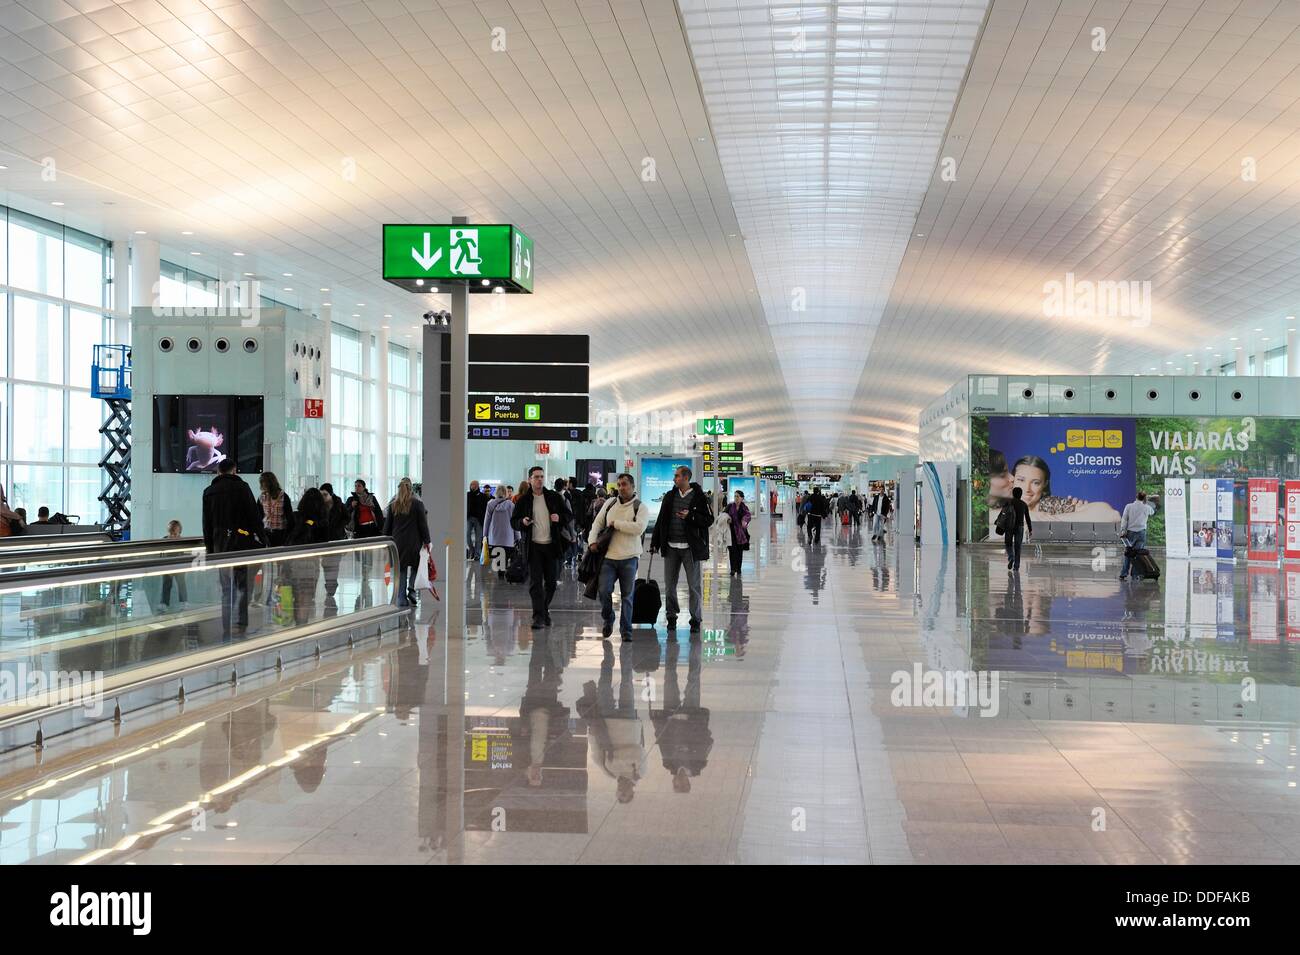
pixel 13 520
pixel 542 527
pixel 235 520
pixel 812 508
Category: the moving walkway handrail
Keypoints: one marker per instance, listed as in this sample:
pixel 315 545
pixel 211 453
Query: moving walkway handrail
pixel 38 542
pixel 152 566
pixel 147 672
pixel 89 553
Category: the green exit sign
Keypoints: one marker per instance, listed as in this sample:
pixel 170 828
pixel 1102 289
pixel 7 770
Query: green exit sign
pixel 715 425
pixel 484 258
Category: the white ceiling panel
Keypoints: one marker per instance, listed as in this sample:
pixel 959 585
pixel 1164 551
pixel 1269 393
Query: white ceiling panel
pixel 828 119
pixel 1088 166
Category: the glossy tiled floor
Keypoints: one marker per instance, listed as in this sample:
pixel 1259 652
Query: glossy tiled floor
pixel 1129 723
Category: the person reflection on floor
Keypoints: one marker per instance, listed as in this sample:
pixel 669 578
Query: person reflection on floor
pixel 879 566
pixel 738 625
pixel 682 726
pixel 542 717
pixel 814 579
pixel 615 735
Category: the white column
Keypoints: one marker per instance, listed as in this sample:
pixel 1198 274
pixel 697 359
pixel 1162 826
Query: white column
pixel 1292 354
pixel 1243 366
pixel 1196 368
pixel 381 439
pixel 145 270
pixel 1261 360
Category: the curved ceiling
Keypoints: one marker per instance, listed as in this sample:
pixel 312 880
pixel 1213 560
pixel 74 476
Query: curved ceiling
pixel 742 201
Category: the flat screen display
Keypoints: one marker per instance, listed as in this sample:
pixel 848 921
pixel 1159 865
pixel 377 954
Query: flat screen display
pixel 593 470
pixel 193 434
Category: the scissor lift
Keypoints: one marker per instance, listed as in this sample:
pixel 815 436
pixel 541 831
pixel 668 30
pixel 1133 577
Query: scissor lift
pixel 111 381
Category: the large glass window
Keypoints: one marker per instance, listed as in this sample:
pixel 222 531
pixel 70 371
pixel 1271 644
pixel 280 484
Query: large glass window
pixel 53 301
pixel 36 254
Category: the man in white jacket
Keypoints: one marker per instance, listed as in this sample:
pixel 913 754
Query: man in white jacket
pixel 625 514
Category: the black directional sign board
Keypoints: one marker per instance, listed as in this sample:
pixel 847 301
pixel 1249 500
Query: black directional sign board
pixel 529 387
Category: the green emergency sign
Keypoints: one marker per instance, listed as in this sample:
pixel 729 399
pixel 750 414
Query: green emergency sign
pixel 484 258
pixel 715 425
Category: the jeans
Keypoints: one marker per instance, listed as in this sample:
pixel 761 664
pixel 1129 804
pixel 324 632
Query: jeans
pixel 542 559
pixel 473 537
pixel 234 597
pixel 1012 543
pixel 625 572
pixel 1136 540
pixel 674 558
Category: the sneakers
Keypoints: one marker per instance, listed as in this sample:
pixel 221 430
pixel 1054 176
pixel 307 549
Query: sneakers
pixel 606 631
pixel 672 623
pixel 538 623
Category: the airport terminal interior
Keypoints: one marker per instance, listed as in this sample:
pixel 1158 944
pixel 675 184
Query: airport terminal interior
pixel 649 431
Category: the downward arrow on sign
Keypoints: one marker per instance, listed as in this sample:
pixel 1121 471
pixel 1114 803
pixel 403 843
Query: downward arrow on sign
pixel 426 261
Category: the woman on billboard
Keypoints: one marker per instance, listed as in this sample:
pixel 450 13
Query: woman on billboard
pixel 1034 478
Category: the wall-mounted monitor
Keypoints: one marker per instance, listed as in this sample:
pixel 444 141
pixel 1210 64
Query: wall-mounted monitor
pixel 193 434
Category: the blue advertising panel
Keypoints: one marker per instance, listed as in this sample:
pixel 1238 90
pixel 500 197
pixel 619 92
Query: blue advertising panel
pixel 657 480
pixel 1223 526
pixel 748 485
pixel 1072 468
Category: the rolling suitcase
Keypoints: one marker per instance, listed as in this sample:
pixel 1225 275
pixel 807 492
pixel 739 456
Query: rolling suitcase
pixel 517 569
pixel 646 600
pixel 1144 565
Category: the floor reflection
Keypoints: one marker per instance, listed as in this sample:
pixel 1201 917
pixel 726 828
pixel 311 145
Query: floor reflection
pixel 769 737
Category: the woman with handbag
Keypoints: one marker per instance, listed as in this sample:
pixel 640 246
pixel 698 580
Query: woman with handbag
pixel 497 533
pixel 738 518
pixel 408 526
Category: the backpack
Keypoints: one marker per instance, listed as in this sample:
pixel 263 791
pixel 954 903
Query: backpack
pixel 1006 519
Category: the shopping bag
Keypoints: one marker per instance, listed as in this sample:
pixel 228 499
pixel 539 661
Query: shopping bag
pixel 282 605
pixel 422 569
pixel 485 557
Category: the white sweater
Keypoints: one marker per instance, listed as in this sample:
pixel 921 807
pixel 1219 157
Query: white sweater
pixel 627 529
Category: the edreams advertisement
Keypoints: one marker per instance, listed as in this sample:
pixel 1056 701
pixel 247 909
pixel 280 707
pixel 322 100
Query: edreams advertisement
pixel 1088 468
pixel 1068 469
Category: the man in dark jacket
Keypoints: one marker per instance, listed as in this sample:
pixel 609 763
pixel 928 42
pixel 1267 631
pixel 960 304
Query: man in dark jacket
pixel 681 535
pixel 1022 526
pixel 819 508
pixel 476 503
pixel 232 521
pixel 541 517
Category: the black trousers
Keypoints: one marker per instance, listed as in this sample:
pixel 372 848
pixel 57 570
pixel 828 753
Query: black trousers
pixel 815 527
pixel 737 554
pixel 542 570
pixel 1012 543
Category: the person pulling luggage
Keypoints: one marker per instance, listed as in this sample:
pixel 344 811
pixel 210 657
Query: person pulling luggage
pixel 616 533
pixel 1133 528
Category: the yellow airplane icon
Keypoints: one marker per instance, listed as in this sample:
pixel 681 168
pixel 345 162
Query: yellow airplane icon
pixel 482 411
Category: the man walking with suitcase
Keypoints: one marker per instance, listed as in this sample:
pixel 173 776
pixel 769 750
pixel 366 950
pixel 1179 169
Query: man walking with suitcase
pixel 1133 528
pixel 626 521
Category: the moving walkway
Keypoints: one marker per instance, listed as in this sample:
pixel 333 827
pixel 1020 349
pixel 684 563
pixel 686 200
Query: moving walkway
pixel 85 643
